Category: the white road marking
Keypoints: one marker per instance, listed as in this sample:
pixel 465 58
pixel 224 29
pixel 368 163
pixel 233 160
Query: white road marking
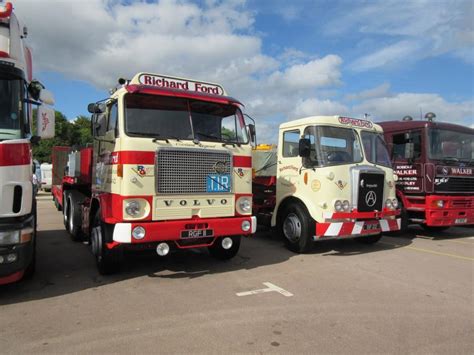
pixel 270 288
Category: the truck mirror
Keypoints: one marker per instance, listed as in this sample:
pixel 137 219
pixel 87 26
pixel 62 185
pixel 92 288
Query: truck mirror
pixel 46 97
pixel 96 108
pixel 45 121
pixel 34 89
pixel 253 134
pixel 409 150
pixel 304 147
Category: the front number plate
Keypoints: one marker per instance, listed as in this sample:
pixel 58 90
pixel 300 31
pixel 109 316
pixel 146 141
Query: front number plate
pixel 371 226
pixel 197 233
pixel 460 220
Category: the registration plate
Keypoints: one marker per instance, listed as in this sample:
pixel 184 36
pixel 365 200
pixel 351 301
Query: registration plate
pixel 218 183
pixel 197 233
pixel 371 226
pixel 460 220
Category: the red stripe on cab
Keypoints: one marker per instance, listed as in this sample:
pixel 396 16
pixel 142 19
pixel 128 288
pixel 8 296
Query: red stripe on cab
pixel 132 157
pixel 242 161
pixel 12 154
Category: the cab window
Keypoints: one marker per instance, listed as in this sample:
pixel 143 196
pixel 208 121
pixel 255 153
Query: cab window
pixel 113 113
pixel 399 141
pixel 291 143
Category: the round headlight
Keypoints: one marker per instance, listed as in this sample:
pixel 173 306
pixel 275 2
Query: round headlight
pixel 389 204
pixel 338 205
pixel 138 232
pixel 132 208
pixel 440 203
pixel 245 204
pixel 395 203
pixel 346 205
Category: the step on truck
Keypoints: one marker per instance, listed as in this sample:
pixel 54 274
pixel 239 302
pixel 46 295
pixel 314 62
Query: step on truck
pixel 329 177
pixel 170 168
pixel 19 93
pixel 435 165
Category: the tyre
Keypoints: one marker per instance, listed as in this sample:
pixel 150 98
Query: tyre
pixel 74 218
pixel 108 261
pixel 31 268
pixel 65 210
pixel 371 239
pixel 434 229
pixel 297 228
pixel 218 251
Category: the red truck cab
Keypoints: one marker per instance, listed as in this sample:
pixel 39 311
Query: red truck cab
pixel 434 162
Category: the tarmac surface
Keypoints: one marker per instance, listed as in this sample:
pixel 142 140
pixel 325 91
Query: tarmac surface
pixel 412 293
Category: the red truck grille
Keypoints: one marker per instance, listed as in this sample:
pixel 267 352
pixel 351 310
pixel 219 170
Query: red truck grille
pixel 462 203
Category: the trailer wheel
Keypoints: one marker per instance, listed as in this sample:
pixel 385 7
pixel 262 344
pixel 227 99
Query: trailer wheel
pixel 371 239
pixel 108 260
pixel 297 227
pixel 66 210
pixel 218 252
pixel 74 218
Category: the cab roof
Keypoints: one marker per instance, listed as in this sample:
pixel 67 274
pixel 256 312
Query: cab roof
pixel 392 126
pixel 341 121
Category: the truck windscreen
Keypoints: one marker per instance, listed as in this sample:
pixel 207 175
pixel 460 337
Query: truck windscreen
pixel 375 148
pixel 332 146
pixel 178 118
pixel 450 146
pixel 11 109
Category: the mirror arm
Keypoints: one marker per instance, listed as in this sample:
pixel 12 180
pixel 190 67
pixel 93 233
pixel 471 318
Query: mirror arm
pixel 33 102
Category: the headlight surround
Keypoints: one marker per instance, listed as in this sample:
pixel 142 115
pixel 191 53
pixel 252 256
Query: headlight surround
pixel 389 204
pixel 244 205
pixel 338 205
pixel 10 237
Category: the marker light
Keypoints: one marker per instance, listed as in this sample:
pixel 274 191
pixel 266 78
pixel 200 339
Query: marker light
pixel 338 205
pixel 346 205
pixel 389 204
pixel 395 203
pixel 246 226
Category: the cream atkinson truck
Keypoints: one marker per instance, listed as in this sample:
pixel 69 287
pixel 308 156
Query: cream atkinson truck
pixel 331 179
pixel 170 167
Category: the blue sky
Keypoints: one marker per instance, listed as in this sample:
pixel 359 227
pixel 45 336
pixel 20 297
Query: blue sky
pixel 283 59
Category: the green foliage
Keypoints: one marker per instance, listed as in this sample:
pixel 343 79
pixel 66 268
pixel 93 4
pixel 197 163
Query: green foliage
pixel 67 133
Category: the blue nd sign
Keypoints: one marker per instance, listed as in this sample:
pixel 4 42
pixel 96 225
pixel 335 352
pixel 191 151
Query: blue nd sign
pixel 218 183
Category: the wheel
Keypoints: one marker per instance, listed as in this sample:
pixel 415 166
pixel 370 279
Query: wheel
pixel 297 228
pixel 434 229
pixel 66 210
pixel 371 239
pixel 218 252
pixel 74 218
pixel 31 268
pixel 108 260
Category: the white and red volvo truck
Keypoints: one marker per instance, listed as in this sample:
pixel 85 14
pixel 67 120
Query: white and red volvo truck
pixel 19 93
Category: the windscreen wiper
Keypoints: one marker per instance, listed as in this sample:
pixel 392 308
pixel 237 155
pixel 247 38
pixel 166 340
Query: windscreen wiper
pixel 156 139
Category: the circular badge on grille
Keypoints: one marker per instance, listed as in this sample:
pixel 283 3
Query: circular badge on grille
pixel 370 198
pixel 220 167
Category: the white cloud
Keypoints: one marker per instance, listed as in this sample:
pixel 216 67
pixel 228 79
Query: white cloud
pixel 382 90
pixel 315 107
pixel 402 104
pixel 412 30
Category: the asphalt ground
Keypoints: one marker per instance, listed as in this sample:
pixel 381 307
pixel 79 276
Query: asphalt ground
pixel 408 294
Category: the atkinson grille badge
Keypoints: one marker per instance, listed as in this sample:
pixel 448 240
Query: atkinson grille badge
pixel 220 167
pixel 370 198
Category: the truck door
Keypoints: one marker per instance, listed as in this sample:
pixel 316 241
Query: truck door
pixel 408 169
pixel 289 162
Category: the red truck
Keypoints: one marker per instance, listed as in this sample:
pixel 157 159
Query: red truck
pixel 434 162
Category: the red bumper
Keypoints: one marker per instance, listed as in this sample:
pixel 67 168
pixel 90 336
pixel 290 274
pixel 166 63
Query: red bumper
pixel 173 231
pixel 11 278
pixel 357 224
pixel 457 210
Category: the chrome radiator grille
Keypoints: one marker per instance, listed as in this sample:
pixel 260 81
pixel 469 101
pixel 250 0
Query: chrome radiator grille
pixel 184 171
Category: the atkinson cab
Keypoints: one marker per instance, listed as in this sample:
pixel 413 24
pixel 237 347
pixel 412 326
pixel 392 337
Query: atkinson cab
pixel 331 179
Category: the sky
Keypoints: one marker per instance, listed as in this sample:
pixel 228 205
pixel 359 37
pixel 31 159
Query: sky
pixel 283 59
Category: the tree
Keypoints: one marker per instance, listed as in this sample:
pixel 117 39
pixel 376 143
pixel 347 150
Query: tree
pixel 67 133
